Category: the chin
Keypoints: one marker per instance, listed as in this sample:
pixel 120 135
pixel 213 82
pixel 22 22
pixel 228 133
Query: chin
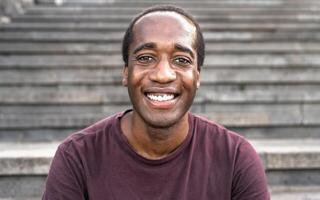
pixel 163 120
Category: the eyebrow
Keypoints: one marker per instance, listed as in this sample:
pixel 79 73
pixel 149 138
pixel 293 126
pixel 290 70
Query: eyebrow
pixel 149 45
pixel 184 49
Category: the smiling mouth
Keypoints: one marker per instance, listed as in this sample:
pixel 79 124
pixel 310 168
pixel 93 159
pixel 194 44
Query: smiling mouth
pixel 160 97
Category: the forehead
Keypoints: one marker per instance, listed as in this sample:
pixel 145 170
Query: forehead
pixel 164 27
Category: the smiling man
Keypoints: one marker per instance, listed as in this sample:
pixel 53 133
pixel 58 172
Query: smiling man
pixel 157 149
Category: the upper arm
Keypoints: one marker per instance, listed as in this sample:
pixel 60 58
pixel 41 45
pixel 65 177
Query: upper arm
pixel 249 179
pixel 66 178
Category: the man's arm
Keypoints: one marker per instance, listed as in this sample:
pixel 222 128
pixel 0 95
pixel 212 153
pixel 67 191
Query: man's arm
pixel 66 177
pixel 249 179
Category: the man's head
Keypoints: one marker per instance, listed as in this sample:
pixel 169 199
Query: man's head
pixel 199 44
pixel 162 67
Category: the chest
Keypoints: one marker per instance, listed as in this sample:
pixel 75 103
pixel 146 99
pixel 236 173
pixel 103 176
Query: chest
pixel 186 177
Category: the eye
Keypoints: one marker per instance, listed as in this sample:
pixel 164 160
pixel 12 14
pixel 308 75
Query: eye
pixel 182 61
pixel 145 59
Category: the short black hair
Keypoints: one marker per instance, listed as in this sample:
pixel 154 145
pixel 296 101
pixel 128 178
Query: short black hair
pixel 199 41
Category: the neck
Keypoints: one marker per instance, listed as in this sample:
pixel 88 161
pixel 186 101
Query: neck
pixel 153 142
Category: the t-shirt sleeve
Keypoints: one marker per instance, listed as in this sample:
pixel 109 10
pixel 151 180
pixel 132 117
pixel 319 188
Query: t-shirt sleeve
pixel 249 179
pixel 65 180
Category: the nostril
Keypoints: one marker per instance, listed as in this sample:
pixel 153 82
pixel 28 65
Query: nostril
pixel 163 74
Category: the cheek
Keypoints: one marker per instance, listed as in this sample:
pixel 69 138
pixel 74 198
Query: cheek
pixel 190 79
pixel 136 76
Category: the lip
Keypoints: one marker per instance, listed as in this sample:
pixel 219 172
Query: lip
pixel 160 90
pixel 162 104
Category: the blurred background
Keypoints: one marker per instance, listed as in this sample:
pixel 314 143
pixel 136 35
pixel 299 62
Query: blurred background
pixel 60 70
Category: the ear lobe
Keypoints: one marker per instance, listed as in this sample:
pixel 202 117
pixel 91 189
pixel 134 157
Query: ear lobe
pixel 124 82
pixel 198 79
pixel 125 76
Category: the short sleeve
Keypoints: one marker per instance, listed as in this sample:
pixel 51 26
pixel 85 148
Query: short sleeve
pixel 65 180
pixel 249 178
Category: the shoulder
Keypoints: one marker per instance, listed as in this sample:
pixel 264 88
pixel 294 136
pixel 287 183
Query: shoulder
pixel 220 140
pixel 211 130
pixel 91 136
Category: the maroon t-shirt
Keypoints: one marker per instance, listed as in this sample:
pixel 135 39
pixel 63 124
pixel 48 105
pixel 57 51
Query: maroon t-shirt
pixel 213 163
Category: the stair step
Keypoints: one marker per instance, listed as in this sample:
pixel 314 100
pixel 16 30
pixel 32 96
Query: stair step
pixel 26 158
pixel 260 132
pixel 245 115
pixel 40 135
pixel 222 36
pixel 231 2
pixel 187 2
pixel 75 48
pixel 288 154
pixel 109 17
pixel 34 158
pixel 107 94
pixel 295 193
pixel 191 4
pixel 60 71
pixel 114 48
pixel 51 134
pixel 29 162
pixel 303 193
pixel 212 62
pixel 113 26
pixel 202 10
pixel 60 61
pixel 107 76
pixel 102 18
pixel 237 115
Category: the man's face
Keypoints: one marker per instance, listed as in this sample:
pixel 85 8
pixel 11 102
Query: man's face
pixel 162 76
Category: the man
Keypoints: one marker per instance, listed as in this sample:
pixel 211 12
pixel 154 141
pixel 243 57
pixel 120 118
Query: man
pixel 158 150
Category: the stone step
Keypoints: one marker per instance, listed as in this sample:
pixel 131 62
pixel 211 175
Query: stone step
pixel 51 134
pixel 235 114
pixel 206 9
pixel 229 2
pixel 25 135
pixel 254 110
pixel 112 62
pixel 112 76
pixel 288 154
pixel 190 4
pixel 253 132
pixel 295 193
pixel 81 48
pixel 60 61
pixel 262 80
pixel 285 193
pixel 114 26
pixel 250 114
pixel 27 48
pixel 116 37
pixel 109 17
pixel 23 163
pixel 108 94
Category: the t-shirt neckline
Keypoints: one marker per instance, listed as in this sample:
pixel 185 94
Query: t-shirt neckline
pixel 129 149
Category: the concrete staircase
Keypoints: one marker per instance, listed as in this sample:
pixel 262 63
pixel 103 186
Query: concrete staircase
pixel 60 70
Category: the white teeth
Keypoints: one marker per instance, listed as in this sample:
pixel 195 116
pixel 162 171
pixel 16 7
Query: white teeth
pixel 163 97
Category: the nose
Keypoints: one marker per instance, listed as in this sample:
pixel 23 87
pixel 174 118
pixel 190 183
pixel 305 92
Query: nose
pixel 163 72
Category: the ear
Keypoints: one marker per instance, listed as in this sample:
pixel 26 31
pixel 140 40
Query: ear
pixel 198 79
pixel 125 76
